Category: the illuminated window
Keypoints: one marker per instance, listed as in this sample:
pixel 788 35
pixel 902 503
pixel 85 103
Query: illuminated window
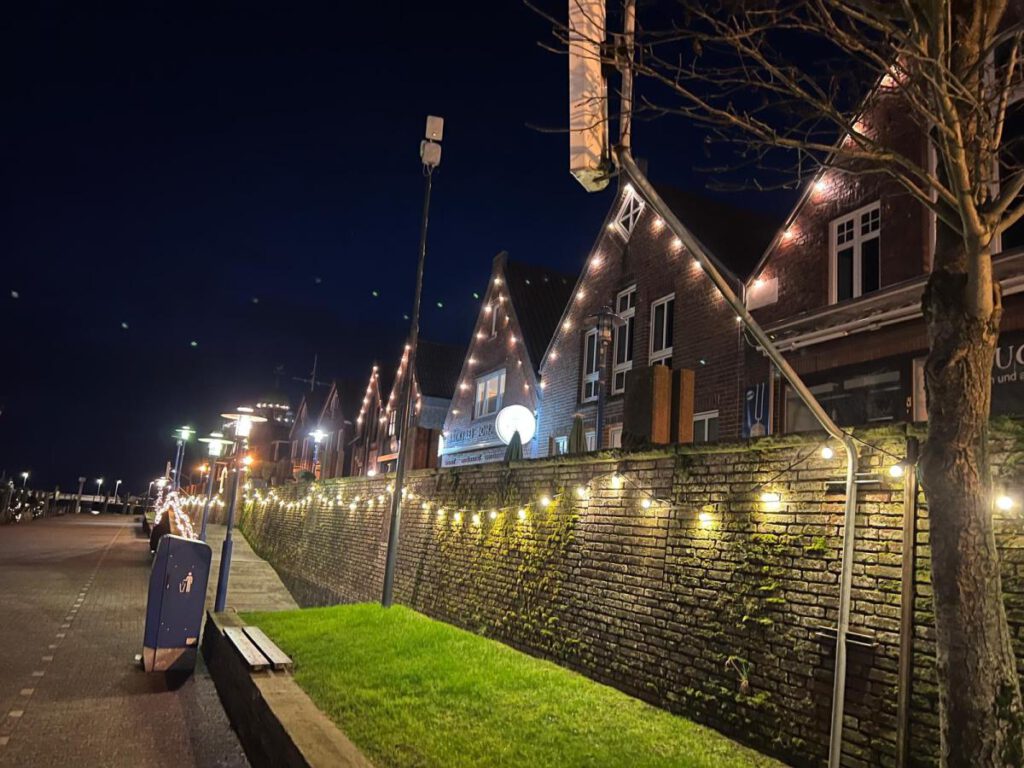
pixel 662 316
pixel 490 390
pixel 705 427
pixel 625 307
pixel 629 213
pixel 392 419
pixel 590 367
pixel 615 436
pixel 855 253
pixel 591 438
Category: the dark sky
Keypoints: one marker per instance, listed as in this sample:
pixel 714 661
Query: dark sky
pixel 168 166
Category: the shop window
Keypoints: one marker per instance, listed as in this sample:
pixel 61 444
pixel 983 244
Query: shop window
pixel 873 397
pixel 855 253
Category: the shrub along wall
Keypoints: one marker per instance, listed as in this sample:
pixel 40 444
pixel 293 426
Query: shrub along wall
pixel 664 574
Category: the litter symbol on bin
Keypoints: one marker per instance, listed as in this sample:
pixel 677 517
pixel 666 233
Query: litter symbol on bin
pixel 186 584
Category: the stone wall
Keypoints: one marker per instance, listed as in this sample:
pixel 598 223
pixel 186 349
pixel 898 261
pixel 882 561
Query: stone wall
pixel 679 584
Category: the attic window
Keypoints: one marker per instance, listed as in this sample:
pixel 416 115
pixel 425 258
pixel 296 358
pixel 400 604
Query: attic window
pixel 629 213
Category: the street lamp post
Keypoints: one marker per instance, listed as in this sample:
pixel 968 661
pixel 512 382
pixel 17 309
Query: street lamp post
pixel 244 419
pixel 24 479
pixel 99 484
pixel 318 435
pixel 116 486
pixel 214 447
pixel 430 155
pixel 182 435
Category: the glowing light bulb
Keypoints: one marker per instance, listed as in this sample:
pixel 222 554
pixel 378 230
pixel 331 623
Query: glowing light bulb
pixel 457 517
pixel 645 503
pixel 770 497
pixel 545 501
pixel 705 519
pixel 616 482
pixel 476 518
pixel 896 470
pixel 522 513
pixel 827 453
pixel 1004 503
pixel 581 492
pixel 493 514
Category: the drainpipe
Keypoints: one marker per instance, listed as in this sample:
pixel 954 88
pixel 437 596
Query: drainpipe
pixel 626 164
pixel 907 595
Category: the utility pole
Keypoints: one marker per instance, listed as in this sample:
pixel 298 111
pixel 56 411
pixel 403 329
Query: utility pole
pixel 430 155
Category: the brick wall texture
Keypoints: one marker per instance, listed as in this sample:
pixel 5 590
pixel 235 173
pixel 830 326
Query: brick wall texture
pixel 677 603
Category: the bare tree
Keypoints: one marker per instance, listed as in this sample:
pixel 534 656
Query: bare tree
pixel 752 74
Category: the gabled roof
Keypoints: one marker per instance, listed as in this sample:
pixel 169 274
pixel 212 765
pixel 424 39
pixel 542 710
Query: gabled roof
pixel 538 297
pixel 309 409
pixel 736 237
pixel 349 394
pixel 438 367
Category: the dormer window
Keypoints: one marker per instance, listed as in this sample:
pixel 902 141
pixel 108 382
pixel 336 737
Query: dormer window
pixel 629 213
pixel 855 253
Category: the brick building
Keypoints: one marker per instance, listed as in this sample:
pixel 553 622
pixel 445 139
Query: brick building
pixel 673 316
pixel 337 420
pixel 518 316
pixel 369 430
pixel 307 418
pixel 839 288
pixel 437 371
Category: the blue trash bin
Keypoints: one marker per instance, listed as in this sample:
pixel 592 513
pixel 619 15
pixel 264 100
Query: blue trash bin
pixel 174 611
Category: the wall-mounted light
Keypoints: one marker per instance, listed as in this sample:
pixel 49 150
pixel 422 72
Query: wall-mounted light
pixel 1004 503
pixel 827 453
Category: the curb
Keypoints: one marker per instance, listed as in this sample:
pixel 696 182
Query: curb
pixel 277 723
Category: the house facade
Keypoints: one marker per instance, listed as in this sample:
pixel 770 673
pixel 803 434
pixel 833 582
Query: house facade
pixel 307 419
pixel 369 429
pixel 839 289
pixel 668 313
pixel 337 422
pixel 519 313
pixel 437 370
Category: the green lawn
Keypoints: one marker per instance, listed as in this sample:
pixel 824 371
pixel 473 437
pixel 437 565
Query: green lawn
pixel 410 691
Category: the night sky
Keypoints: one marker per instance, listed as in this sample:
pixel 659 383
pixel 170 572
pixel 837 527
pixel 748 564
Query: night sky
pixel 245 176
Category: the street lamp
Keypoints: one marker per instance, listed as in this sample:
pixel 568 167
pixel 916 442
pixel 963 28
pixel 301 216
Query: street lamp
pixel 244 418
pixel 182 435
pixel 318 435
pixel 24 479
pixel 99 484
pixel 116 486
pixel 214 448
pixel 430 156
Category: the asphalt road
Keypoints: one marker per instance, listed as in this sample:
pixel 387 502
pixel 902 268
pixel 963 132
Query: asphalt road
pixel 72 609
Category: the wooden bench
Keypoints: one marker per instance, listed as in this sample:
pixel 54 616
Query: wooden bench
pixel 252 655
pixel 278 658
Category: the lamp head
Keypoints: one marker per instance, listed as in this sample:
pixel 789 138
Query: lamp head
pixel 318 435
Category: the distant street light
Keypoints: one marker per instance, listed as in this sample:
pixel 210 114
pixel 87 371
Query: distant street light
pixel 244 419
pixel 214 447
pixel 24 479
pixel 318 435
pixel 99 484
pixel 116 486
pixel 182 435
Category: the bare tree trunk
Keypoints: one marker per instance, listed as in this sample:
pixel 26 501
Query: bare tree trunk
pixel 981 716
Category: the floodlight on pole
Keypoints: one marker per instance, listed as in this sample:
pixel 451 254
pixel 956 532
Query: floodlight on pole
pixel 214 448
pixel 24 479
pixel 430 155
pixel 244 418
pixel 181 435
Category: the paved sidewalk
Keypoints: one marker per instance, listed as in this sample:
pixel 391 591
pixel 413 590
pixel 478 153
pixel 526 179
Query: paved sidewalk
pixel 253 585
pixel 72 609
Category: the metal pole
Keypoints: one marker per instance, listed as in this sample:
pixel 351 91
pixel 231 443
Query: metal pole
pixel 407 436
pixel 225 551
pixel 697 250
pixel 177 464
pixel 209 500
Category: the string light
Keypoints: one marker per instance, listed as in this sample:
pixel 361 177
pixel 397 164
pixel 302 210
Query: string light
pixel 476 519
pixel 827 453
pixel 545 501
pixel 522 513
pixel 645 503
pixel 1004 503
pixel 581 492
pixel 493 514
pixel 896 470
pixel 457 517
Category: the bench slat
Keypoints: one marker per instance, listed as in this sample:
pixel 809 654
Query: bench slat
pixel 269 648
pixel 250 653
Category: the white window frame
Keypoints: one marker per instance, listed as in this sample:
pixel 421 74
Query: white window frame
pixel 590 439
pixel 484 381
pixel 561 445
pixel 857 242
pixel 705 417
pixel 392 421
pixel 629 315
pixel 494 319
pixel 662 356
pixel 590 377
pixel 629 214
pixel 615 436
